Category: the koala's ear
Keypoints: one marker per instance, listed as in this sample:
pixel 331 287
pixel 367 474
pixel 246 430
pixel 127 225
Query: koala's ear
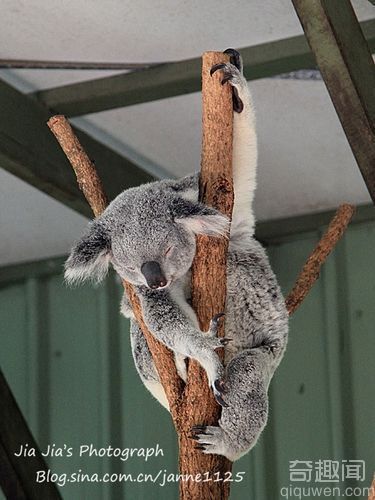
pixel 200 219
pixel 89 258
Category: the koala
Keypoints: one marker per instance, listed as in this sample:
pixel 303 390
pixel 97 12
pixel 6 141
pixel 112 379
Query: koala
pixel 148 234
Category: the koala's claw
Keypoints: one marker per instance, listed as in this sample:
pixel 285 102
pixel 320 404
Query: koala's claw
pixel 269 348
pixel 235 58
pixel 199 429
pixel 214 324
pixel 214 342
pixel 216 67
pixel 232 74
pixel 226 78
pixel 199 447
pixel 218 387
pixel 216 318
pixel 220 400
pixel 225 340
pixel 210 439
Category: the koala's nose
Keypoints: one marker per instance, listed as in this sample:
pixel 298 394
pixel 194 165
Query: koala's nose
pixel 154 276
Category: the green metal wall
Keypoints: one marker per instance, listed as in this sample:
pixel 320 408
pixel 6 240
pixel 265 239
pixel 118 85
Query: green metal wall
pixel 67 357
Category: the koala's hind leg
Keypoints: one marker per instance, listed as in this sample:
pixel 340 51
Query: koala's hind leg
pixel 242 421
pixel 245 150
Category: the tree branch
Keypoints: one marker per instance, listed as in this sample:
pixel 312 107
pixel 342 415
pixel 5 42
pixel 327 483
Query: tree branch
pixel 310 271
pixel 209 277
pixel 92 188
pixel 87 176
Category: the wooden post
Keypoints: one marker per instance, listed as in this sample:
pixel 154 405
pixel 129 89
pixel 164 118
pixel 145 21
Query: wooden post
pixel 209 281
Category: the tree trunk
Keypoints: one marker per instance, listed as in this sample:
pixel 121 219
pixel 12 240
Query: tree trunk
pixel 209 284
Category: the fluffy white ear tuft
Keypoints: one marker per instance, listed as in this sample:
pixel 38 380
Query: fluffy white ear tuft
pixel 95 270
pixel 210 225
pixel 89 258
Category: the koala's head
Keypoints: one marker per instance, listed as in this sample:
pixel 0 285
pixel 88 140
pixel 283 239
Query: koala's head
pixel 148 234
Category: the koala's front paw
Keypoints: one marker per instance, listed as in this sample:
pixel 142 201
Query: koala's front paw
pixel 233 75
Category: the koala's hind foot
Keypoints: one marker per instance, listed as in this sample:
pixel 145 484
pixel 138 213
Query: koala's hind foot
pixel 233 75
pixel 214 440
pixel 245 414
pixel 210 439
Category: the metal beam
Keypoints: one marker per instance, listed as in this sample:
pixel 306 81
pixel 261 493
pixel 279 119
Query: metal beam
pixel 18 473
pixel 29 151
pixel 345 62
pixel 173 79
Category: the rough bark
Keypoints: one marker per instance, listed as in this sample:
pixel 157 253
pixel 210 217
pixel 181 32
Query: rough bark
pixel 209 279
pixel 87 176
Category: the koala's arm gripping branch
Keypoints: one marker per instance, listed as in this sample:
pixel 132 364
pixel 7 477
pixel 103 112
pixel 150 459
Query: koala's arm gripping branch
pixel 91 186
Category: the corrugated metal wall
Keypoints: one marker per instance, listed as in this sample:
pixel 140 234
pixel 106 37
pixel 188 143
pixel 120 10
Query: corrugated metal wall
pixel 67 358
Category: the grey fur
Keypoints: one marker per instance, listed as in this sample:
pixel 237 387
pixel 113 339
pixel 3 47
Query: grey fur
pixel 158 222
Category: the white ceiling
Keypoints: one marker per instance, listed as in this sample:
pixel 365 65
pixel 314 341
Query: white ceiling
pixel 32 225
pixel 305 162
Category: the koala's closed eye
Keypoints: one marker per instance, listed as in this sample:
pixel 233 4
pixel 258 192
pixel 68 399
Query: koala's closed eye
pixel 168 250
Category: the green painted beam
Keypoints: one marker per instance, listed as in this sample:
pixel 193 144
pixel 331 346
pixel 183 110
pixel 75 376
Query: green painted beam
pixel 178 78
pixel 18 474
pixel 346 65
pixel 29 150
